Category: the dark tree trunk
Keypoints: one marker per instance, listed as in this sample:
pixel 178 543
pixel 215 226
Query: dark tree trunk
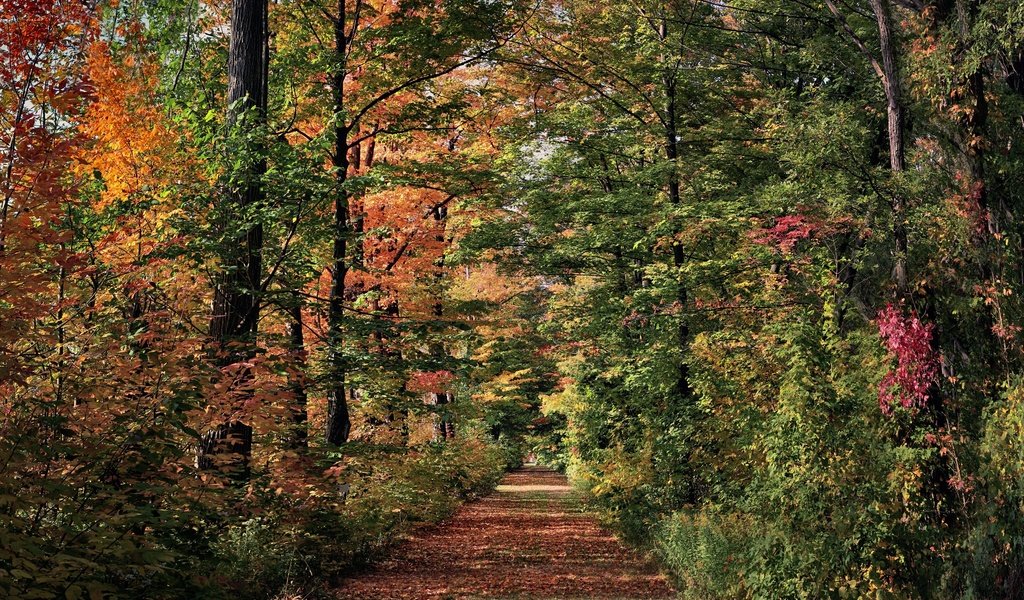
pixel 236 303
pixel 235 307
pixel 398 414
pixel 299 435
pixel 395 417
pixel 339 423
pixel 444 423
pixel 228 446
pixel 675 198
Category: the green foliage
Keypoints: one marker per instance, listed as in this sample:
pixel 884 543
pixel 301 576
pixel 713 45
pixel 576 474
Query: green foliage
pixel 704 552
pixel 719 353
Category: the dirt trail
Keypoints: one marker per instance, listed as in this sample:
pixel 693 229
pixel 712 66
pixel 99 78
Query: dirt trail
pixel 527 540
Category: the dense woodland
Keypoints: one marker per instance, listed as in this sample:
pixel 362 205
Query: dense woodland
pixel 281 279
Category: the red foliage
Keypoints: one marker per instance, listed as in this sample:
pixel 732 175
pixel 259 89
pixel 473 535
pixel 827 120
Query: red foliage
pixel 40 86
pixel 917 365
pixel 786 232
pixel 431 381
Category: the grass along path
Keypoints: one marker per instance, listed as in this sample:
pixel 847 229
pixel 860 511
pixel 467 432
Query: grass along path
pixel 529 539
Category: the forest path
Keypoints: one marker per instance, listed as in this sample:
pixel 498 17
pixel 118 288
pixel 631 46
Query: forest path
pixel 529 539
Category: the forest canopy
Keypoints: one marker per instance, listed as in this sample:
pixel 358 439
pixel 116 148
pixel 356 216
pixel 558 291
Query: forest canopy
pixel 282 279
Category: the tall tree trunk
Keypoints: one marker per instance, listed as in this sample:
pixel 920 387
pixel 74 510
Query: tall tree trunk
pixel 399 414
pixel 339 423
pixel 675 198
pixel 894 110
pixel 62 279
pixel 888 73
pixel 444 423
pixel 299 435
pixel 235 303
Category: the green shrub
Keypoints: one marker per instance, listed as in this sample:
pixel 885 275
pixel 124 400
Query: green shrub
pixel 704 552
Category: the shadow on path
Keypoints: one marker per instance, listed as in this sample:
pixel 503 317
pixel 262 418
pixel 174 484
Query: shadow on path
pixel 529 539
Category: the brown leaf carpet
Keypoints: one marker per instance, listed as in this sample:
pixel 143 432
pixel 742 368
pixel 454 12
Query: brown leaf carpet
pixel 529 539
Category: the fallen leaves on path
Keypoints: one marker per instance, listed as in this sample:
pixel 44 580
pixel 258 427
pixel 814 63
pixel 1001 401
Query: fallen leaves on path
pixel 527 540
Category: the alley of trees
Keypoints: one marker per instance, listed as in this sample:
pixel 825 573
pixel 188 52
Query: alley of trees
pixel 282 281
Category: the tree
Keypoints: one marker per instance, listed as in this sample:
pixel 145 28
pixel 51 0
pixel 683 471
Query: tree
pixel 236 304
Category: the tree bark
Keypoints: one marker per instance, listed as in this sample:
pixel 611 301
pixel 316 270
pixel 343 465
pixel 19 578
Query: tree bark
pixel 236 304
pixel 339 423
pixel 299 435
pixel 675 198
pixel 444 424
pixel 894 110
pixel 888 73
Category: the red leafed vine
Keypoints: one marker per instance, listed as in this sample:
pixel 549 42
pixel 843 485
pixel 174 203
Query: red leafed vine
pixel 909 340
